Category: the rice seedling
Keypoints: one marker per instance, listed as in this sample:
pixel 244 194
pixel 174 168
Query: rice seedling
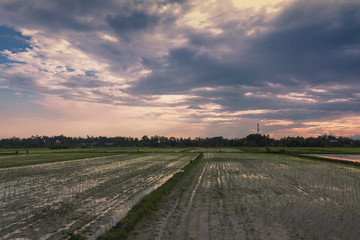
pixel 54 198
pixel 271 196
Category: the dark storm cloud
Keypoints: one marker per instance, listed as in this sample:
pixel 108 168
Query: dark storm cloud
pixel 299 114
pixel 348 106
pixel 313 42
pixel 87 25
pixel 80 15
pixel 131 22
pixel 187 68
pixel 55 15
pixel 309 44
pixel 253 63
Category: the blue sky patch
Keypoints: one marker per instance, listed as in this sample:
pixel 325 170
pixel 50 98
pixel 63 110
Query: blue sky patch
pixel 13 40
pixel 69 69
pixel 4 59
pixel 91 73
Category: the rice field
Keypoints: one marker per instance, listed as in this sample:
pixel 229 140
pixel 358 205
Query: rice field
pixel 229 194
pixel 259 196
pixel 83 195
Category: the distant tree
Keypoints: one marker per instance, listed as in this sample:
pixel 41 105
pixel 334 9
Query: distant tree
pixel 252 140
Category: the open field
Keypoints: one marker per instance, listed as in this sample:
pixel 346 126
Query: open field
pixel 205 150
pixel 22 157
pixel 259 196
pixel 232 193
pixel 7 151
pixel 17 160
pixel 87 195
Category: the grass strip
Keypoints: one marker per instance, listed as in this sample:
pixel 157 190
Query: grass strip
pixel 19 160
pixel 145 205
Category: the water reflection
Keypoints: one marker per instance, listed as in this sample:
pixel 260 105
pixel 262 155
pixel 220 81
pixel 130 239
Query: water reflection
pixel 345 157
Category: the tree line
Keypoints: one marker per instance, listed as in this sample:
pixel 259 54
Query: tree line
pixel 252 140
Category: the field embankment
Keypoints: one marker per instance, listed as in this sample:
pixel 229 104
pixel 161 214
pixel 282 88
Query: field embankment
pixel 146 205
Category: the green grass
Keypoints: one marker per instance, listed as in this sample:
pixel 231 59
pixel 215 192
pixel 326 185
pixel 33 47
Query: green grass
pixel 31 156
pixel 214 149
pixel 23 157
pixel 17 160
pixel 11 151
pixel 146 204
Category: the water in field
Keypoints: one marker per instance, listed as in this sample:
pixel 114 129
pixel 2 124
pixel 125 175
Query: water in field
pixel 345 157
pixel 259 196
pixel 86 196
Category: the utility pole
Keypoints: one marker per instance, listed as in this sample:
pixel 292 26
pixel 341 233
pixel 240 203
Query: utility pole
pixel 258 129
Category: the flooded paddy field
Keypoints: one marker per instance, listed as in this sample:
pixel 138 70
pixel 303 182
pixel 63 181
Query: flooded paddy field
pixel 86 195
pixel 344 157
pixel 259 196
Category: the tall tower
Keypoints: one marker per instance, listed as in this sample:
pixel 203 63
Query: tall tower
pixel 258 129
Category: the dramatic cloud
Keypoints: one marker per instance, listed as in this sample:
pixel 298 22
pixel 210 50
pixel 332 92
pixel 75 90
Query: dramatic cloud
pixel 197 68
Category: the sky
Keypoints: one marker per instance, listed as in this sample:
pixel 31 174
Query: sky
pixel 183 68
